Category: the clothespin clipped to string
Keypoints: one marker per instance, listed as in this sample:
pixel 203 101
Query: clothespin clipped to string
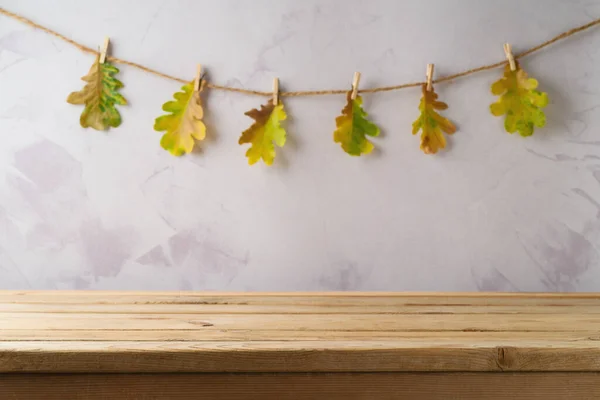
pixel 198 78
pixel 275 91
pixel 429 77
pixel 510 57
pixel 104 50
pixel 355 82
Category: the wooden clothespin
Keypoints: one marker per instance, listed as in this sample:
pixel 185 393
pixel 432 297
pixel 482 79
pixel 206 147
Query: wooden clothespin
pixel 104 50
pixel 510 56
pixel 275 91
pixel 429 77
pixel 198 78
pixel 355 85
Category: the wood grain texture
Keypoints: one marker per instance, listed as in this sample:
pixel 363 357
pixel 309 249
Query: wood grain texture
pixel 136 332
pixel 301 386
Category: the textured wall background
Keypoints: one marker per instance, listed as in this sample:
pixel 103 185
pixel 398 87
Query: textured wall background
pixel 89 210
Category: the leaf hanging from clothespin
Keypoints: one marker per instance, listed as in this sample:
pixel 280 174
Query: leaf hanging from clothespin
pixel 353 127
pixel 430 122
pixel 266 131
pixel 100 95
pixel 519 100
pixel 184 123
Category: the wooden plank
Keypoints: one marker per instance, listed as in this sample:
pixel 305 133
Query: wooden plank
pixel 262 332
pixel 298 299
pixel 474 295
pixel 355 322
pixel 296 356
pixel 455 337
pixel 120 308
pixel 340 386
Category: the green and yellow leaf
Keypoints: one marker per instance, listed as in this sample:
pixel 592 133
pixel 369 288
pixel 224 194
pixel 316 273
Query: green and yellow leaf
pixel 519 101
pixel 265 132
pixel 184 123
pixel 431 123
pixel 99 95
pixel 353 127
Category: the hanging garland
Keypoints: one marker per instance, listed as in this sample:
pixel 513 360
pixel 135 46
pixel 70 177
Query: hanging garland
pixel 520 103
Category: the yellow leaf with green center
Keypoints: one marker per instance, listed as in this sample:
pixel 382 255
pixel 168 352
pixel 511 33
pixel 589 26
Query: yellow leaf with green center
pixel 99 96
pixel 264 133
pixel 184 123
pixel 353 127
pixel 519 101
pixel 431 123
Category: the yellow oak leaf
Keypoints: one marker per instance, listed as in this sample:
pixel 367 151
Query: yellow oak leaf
pixel 184 123
pixel 431 123
pixel 99 96
pixel 519 101
pixel 265 132
pixel 353 128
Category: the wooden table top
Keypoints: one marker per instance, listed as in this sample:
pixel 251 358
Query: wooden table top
pixel 90 331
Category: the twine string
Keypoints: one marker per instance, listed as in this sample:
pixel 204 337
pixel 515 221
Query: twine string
pixel 90 50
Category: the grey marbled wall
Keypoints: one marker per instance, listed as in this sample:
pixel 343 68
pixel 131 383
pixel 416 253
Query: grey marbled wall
pixel 88 210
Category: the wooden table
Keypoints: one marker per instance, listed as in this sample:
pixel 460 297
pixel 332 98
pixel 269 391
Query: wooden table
pixel 166 345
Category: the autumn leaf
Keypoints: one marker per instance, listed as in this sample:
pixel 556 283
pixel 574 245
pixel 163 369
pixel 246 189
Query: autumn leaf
pixel 99 96
pixel 519 101
pixel 353 128
pixel 431 123
pixel 184 123
pixel 264 133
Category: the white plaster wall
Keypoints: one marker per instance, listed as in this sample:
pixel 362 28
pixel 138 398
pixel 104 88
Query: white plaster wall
pixel 90 210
